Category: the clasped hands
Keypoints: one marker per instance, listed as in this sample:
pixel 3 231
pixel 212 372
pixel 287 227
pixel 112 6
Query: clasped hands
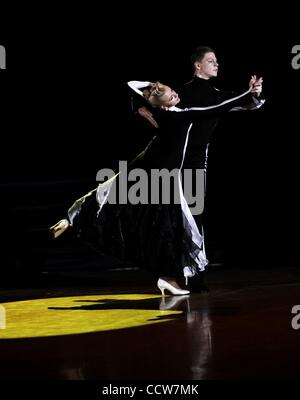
pixel 256 85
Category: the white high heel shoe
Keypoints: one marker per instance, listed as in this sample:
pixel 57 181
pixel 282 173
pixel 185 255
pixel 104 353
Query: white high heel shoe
pixel 57 229
pixel 162 285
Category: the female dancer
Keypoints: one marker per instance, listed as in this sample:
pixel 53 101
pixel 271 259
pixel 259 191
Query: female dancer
pixel 161 237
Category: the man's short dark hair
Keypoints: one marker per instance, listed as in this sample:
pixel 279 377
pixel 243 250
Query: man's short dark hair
pixel 200 52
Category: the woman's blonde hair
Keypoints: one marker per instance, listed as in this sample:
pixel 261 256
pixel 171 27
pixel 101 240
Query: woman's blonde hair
pixel 153 93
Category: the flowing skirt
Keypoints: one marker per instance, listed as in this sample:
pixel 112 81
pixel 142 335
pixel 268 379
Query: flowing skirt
pixel 162 238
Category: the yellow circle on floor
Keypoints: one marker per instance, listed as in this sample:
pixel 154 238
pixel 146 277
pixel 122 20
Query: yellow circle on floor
pixel 81 314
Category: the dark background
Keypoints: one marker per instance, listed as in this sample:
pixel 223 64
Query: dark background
pixel 65 115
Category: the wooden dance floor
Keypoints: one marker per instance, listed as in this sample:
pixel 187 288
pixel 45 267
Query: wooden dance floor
pixel 114 325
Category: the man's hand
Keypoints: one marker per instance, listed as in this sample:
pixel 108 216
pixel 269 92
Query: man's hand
pixel 256 85
pixel 144 112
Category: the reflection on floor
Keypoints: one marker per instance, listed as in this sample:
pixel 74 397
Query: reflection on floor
pixel 115 325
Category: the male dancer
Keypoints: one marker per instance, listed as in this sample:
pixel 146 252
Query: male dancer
pixel 200 93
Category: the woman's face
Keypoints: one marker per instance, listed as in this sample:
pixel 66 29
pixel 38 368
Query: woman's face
pixel 169 97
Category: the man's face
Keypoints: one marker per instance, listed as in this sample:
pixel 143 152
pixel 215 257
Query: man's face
pixel 208 67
